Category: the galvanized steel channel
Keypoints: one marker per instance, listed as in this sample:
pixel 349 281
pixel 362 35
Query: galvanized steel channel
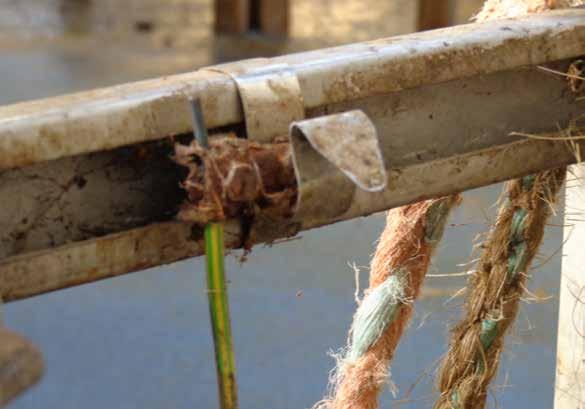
pixel 93 192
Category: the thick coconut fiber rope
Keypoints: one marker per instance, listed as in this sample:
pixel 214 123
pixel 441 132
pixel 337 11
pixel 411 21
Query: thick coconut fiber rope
pixel 498 284
pixel 495 290
pixel 397 271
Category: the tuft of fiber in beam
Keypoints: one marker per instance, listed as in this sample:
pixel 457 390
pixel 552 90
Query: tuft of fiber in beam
pixel 397 272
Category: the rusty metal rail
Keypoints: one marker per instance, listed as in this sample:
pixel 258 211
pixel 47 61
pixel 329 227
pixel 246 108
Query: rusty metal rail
pixel 94 192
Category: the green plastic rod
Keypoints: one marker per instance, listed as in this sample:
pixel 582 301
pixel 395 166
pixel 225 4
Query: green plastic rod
pixel 217 292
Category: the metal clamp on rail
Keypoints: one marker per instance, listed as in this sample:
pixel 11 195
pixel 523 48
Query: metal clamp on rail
pixel 332 155
pixel 270 95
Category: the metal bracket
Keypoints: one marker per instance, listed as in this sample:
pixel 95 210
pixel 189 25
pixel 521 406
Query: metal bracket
pixel 343 148
pixel 270 95
pixel 343 151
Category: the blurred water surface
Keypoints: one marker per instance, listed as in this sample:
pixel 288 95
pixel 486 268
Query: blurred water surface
pixel 143 340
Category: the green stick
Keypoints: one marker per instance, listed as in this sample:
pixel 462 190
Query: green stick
pixel 217 293
pixel 220 316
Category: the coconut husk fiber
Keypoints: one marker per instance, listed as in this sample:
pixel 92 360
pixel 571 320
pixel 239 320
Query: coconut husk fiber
pixel 495 290
pixel 236 177
pixel 498 284
pixel 398 269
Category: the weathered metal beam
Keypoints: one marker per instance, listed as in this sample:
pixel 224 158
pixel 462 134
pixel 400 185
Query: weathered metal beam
pixel 100 258
pixel 105 119
pixel 443 124
pixel 82 262
pixel 78 198
pixel 455 136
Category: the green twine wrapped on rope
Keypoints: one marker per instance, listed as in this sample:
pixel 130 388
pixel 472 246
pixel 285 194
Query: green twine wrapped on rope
pixel 526 208
pixel 517 260
pixel 397 272
pixel 375 313
pixel 380 307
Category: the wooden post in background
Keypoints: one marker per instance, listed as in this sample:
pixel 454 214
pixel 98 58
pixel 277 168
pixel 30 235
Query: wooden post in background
pixel 570 377
pixel 274 17
pixel 434 14
pixel 270 17
pixel 232 16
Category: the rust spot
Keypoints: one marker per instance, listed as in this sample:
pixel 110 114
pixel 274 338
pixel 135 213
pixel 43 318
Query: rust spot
pixel 237 178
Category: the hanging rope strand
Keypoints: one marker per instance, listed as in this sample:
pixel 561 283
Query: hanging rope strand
pixel 497 286
pixel 495 291
pixel 397 271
